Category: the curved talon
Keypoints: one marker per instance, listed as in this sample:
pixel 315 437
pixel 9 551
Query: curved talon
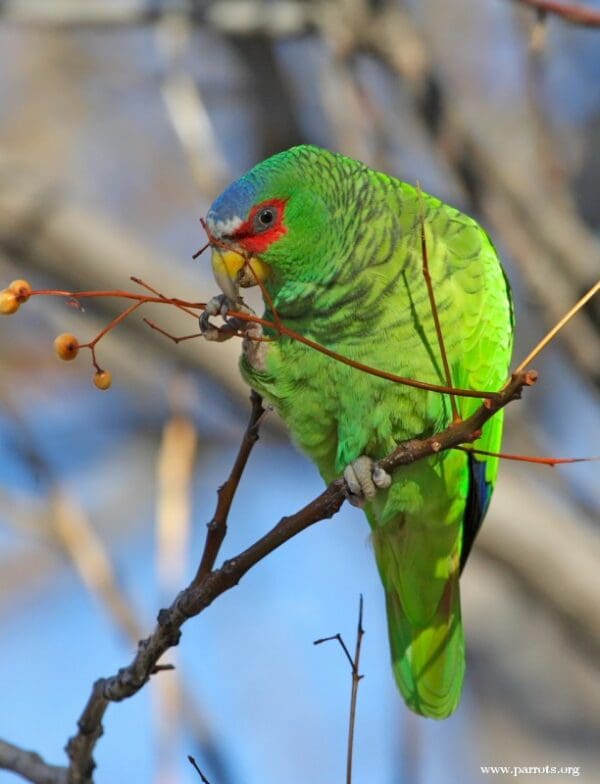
pixel 363 477
pixel 220 305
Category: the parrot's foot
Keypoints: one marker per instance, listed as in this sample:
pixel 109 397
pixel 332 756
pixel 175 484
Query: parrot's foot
pixel 363 478
pixel 220 306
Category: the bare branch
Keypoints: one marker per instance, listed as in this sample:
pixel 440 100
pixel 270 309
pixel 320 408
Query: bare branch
pixel 192 600
pixel 30 765
pixel 558 326
pixel 194 764
pixel 217 528
pixel 356 678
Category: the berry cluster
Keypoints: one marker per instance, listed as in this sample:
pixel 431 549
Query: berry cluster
pixel 66 345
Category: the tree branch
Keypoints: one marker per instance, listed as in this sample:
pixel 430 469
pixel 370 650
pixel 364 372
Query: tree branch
pixel 30 765
pixel 202 591
pixel 217 528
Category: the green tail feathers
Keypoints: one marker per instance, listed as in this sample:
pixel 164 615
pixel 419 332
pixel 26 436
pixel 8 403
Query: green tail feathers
pixel 429 660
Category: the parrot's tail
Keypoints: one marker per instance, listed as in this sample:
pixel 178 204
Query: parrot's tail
pixel 429 660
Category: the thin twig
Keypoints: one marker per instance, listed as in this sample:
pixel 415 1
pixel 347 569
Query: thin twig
pixel 557 327
pixel 119 294
pixel 217 528
pixel 175 338
pixel 356 678
pixel 150 288
pixel 547 461
pixel 338 637
pixel 194 764
pixel 372 371
pixel 433 305
pixel 280 328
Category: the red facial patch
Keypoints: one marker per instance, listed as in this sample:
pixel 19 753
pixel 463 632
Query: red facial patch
pixel 257 240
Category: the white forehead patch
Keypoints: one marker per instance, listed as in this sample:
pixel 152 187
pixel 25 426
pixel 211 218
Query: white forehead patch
pixel 220 228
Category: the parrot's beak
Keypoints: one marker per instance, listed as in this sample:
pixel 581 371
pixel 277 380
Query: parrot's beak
pixel 231 270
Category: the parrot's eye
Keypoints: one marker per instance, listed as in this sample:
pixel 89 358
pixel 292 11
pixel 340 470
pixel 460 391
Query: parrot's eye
pixel 264 218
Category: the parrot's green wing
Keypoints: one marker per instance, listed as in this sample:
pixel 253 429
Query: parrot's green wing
pixel 422 554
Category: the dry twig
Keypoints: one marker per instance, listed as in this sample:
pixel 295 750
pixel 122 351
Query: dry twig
pixel 356 678
pixel 194 764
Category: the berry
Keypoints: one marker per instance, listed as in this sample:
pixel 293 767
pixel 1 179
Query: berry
pixel 9 304
pixel 103 379
pixel 66 347
pixel 21 289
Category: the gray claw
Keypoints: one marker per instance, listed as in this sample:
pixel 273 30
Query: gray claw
pixel 363 477
pixel 220 305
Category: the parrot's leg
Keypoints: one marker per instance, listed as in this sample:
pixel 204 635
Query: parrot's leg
pixel 255 349
pixel 363 477
pixel 220 305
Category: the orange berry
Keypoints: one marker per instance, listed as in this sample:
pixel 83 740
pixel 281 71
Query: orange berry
pixel 9 304
pixel 103 379
pixel 21 289
pixel 66 347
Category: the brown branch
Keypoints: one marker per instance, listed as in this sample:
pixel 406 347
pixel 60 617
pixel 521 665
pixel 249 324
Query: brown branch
pixel 217 528
pixel 280 328
pixel 201 592
pixel 30 765
pixel 372 371
pixel 572 13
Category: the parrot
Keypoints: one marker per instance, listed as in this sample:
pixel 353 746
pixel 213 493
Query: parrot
pixel 336 249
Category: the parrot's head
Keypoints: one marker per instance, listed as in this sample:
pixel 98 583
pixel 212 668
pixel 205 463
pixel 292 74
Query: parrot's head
pixel 282 222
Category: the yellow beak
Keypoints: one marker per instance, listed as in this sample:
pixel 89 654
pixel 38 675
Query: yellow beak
pixel 231 270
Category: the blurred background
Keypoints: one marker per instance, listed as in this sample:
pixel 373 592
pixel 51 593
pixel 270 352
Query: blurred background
pixel 119 124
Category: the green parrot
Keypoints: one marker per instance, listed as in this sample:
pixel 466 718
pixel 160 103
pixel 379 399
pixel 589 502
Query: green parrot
pixel 337 249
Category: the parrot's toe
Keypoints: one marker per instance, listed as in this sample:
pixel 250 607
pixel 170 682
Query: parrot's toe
pixel 363 477
pixel 381 478
pixel 220 305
